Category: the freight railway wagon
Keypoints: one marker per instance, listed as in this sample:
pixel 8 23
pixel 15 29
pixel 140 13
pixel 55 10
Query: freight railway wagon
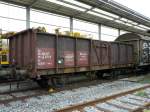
pixel 141 46
pixel 45 54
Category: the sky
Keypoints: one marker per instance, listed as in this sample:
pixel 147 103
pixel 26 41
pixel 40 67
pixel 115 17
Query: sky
pixel 141 6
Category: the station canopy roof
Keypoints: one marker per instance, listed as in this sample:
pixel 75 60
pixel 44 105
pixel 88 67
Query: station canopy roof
pixel 106 12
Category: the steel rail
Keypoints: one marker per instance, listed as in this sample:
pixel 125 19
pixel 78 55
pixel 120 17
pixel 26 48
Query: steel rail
pixel 104 99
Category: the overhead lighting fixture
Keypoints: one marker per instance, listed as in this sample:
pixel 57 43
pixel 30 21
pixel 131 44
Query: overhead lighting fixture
pixel 100 15
pixel 144 26
pixel 124 19
pixel 78 3
pixel 128 24
pixel 119 21
pixel 105 12
pixel 127 21
pixel 66 5
pixel 139 27
pixel 132 22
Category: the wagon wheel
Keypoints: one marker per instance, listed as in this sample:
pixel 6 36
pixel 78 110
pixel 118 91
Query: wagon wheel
pixel 100 75
pixel 43 82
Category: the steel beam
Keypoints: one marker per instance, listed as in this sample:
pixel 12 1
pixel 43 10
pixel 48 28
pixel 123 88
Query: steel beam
pixel 34 1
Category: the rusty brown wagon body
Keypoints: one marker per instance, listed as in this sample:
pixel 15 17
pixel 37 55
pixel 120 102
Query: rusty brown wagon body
pixel 50 54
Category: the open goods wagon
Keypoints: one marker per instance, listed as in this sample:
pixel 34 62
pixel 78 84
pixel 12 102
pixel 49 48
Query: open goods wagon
pixel 51 54
pixel 141 46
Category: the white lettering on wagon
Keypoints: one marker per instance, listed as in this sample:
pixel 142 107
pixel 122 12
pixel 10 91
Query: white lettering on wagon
pixel 69 58
pixel 82 58
pixel 45 58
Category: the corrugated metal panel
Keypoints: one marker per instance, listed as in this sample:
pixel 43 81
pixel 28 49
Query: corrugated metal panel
pixel 66 47
pixel 100 53
pixel 45 49
pixel 105 51
pixel 21 49
pixel 83 52
pixel 130 54
pixel 123 54
pixel 114 54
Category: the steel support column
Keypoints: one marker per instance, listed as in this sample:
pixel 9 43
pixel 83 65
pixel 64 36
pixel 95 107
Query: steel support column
pixel 118 32
pixel 71 24
pixel 27 17
pixel 99 31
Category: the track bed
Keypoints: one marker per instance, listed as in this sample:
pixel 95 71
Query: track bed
pixel 134 100
pixel 58 101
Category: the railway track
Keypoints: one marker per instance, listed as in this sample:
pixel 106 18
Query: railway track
pixel 27 85
pixel 134 100
pixel 58 101
pixel 17 86
pixel 64 98
pixel 19 91
pixel 15 92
